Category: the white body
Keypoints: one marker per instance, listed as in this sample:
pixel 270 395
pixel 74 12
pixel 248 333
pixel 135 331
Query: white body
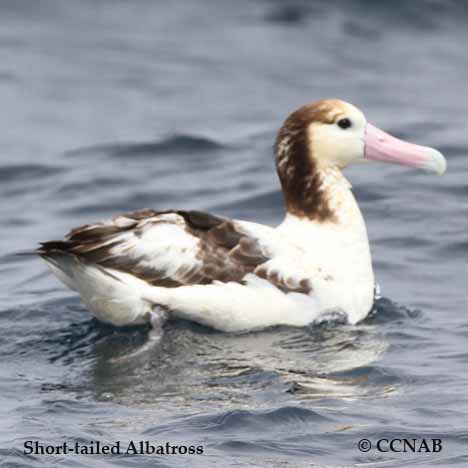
pixel 334 256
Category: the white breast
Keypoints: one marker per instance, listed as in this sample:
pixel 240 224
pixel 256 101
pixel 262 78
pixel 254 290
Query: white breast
pixel 337 254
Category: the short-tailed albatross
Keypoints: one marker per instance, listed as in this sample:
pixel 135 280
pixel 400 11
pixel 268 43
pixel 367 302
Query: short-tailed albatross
pixel 235 275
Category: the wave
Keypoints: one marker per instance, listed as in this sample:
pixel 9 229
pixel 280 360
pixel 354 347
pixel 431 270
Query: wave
pixel 171 145
pixel 27 172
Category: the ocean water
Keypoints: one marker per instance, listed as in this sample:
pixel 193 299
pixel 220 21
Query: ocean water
pixel 109 106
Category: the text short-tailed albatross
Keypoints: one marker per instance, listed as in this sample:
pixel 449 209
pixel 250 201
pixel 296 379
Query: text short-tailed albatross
pixel 235 275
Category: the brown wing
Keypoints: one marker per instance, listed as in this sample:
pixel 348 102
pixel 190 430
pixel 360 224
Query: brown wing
pixel 176 248
pixel 165 248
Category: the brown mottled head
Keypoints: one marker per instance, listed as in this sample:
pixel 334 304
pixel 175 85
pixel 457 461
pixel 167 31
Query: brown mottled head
pixel 325 134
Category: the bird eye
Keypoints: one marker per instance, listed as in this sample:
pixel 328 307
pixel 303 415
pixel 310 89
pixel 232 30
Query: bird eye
pixel 344 123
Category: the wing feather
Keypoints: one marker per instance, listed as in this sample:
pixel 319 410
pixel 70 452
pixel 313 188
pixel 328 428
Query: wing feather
pixel 176 248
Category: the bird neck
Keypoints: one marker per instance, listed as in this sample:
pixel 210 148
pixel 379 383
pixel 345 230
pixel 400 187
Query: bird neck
pixel 345 218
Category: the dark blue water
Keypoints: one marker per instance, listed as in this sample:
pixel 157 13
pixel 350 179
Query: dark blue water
pixel 111 105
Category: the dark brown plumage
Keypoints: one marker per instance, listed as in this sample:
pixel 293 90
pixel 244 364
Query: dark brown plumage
pixel 297 170
pixel 224 251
